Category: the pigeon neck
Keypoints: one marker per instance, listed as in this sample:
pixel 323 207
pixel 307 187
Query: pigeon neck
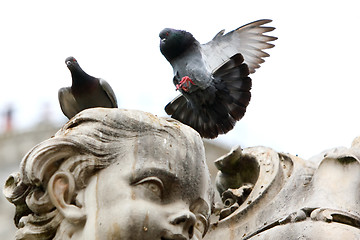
pixel 80 78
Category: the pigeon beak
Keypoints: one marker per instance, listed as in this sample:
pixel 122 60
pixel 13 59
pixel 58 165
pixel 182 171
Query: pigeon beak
pixel 163 40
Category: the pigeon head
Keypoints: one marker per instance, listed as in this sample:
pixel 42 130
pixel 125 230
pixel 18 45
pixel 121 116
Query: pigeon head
pixel 174 42
pixel 78 75
pixel 71 63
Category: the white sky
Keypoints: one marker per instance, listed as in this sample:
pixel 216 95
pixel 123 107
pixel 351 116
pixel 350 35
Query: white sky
pixel 304 97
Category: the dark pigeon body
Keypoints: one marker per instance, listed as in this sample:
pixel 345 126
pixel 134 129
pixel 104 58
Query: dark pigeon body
pixel 218 92
pixel 85 92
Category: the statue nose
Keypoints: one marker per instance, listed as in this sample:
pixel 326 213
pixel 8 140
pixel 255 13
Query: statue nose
pixel 186 220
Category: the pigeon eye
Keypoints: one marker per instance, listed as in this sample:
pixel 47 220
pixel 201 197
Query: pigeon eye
pixel 167 33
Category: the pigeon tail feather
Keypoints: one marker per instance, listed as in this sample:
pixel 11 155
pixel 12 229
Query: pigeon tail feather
pixel 231 97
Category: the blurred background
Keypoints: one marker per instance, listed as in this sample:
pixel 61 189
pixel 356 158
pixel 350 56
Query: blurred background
pixel 304 96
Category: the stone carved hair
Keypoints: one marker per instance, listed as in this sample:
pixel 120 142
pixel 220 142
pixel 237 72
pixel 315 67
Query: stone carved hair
pixel 82 147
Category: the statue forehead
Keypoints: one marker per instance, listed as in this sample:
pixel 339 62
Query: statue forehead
pixel 178 155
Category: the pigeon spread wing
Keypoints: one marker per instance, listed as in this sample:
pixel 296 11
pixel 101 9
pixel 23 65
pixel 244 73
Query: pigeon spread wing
pixel 68 104
pixel 249 40
pixel 230 58
pixel 109 92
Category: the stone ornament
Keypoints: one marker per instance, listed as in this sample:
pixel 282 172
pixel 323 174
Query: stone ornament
pixel 114 174
pixel 270 195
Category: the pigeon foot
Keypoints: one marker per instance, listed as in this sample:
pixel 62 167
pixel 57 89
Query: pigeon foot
pixel 184 84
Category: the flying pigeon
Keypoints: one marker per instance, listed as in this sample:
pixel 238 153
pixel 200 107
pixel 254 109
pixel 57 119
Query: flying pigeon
pixel 85 92
pixel 213 77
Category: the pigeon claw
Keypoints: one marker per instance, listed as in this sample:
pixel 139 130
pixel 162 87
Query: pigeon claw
pixel 184 84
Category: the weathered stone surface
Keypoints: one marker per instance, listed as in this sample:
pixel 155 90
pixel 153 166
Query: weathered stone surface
pixel 121 174
pixel 294 199
pixel 114 174
pixel 13 147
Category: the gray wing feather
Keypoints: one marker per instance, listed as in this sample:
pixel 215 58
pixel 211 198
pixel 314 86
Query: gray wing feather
pixel 249 40
pixel 109 92
pixel 68 104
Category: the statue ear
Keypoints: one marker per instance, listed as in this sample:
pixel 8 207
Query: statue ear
pixel 61 190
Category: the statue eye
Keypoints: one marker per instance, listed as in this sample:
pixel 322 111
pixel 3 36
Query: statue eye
pixel 153 184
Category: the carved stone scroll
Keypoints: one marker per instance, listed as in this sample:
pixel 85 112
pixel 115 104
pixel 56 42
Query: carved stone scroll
pixel 291 198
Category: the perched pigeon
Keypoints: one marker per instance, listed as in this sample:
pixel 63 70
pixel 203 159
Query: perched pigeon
pixel 213 77
pixel 85 92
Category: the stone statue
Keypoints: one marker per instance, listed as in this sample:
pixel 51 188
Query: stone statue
pixel 121 174
pixel 114 174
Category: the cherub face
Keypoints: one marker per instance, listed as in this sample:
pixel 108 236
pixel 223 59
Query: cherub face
pixel 157 191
